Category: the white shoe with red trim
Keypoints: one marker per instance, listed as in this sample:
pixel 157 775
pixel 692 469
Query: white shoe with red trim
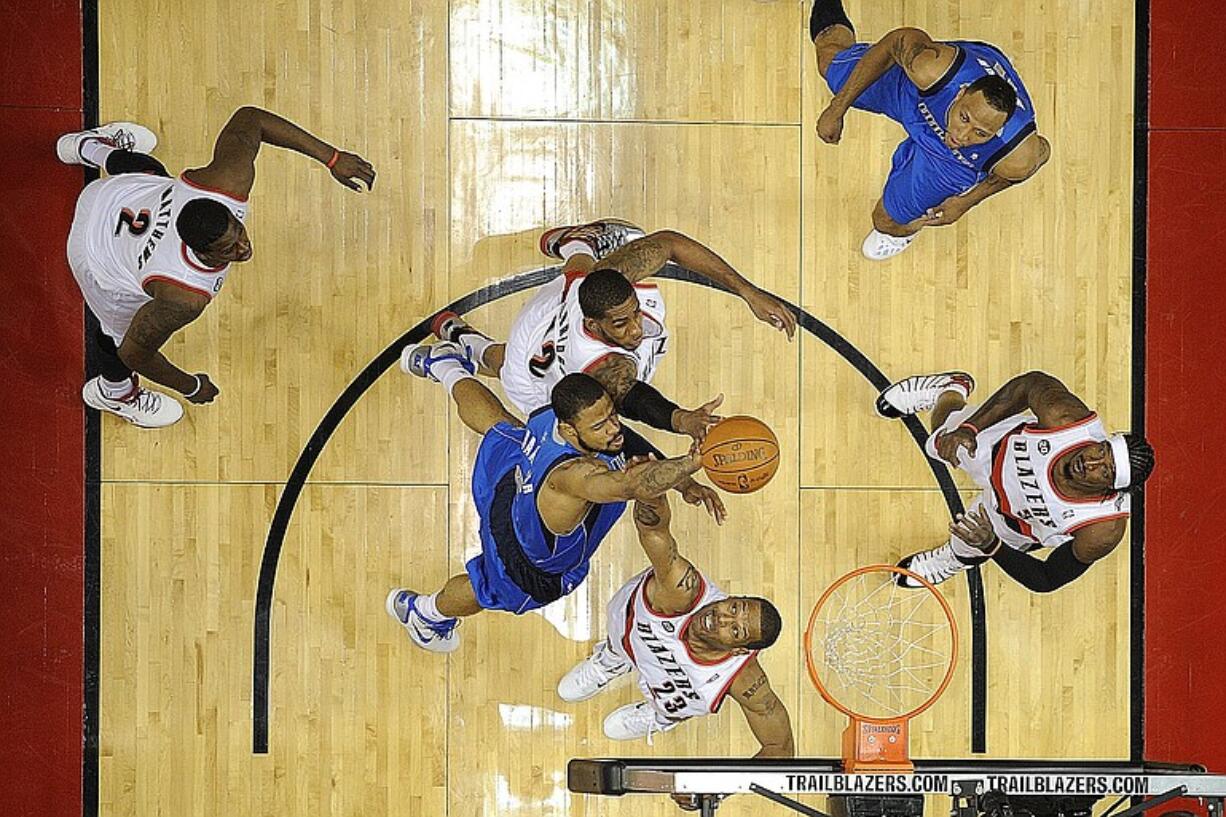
pixel 920 392
pixel 119 135
pixel 141 407
pixel 602 237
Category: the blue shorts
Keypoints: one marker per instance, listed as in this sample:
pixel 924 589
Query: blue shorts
pixel 502 575
pixel 918 180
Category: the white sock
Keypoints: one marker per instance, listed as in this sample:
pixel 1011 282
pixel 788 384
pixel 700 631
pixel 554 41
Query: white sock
pixel 476 344
pixel 116 390
pixel 427 606
pixel 449 372
pixel 95 150
pixel 575 247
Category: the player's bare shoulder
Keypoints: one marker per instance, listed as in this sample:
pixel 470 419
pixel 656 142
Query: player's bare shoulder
pixel 642 258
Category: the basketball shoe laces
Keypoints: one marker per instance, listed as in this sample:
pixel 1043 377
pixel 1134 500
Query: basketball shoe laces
pixel 602 238
pixel 591 674
pixel 144 400
pixel 644 712
pixel 938 564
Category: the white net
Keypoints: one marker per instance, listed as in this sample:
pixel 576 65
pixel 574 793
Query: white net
pixel 879 649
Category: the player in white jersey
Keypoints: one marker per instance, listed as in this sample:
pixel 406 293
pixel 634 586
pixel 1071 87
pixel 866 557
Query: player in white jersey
pixel 150 251
pixel 603 317
pixel 1051 475
pixel 690 643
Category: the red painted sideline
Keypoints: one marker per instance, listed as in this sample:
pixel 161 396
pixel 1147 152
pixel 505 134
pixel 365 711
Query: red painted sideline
pixel 1185 520
pixel 41 417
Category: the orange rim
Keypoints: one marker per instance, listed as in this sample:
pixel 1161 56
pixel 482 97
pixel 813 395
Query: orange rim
pixel 816 679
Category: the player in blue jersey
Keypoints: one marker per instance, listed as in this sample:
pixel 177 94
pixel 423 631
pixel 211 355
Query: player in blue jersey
pixel 547 493
pixel 970 123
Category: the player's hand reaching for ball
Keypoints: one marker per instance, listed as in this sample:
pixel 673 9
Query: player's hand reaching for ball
pixel 205 390
pixel 696 422
pixel 830 125
pixel 975 528
pixel 695 493
pixel 770 309
pixel 350 168
pixel 951 443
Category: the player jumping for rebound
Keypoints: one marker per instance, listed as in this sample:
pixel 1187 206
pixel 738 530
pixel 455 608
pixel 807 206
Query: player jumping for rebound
pixel 690 643
pixel 969 120
pixel 150 251
pixel 1051 476
pixel 547 493
pixel 601 317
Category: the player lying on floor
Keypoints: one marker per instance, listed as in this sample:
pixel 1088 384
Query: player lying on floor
pixel 690 643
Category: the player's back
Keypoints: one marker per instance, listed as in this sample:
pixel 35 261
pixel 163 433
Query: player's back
pixel 128 223
pixel 678 683
pixel 512 466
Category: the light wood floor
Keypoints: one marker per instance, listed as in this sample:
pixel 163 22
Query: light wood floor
pixel 487 121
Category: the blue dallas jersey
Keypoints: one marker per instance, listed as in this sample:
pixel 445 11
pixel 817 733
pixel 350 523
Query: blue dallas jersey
pixel 512 464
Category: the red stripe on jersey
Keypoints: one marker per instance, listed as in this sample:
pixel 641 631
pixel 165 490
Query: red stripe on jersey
pixel 183 178
pixel 177 283
pixel 571 276
pixel 998 486
pixel 187 259
pixel 718 701
pixel 626 645
pixel 1034 428
pixel 1108 518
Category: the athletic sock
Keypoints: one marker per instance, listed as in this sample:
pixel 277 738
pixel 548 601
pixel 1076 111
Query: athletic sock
pixel 449 372
pixel 827 13
pixel 575 247
pixel 427 608
pixel 474 343
pixel 95 150
pixel 116 390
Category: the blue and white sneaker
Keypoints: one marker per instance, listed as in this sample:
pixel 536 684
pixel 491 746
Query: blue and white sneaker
pixel 418 358
pixel 435 636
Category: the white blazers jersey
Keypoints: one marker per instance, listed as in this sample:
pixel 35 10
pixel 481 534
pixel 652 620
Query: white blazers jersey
pixel 548 342
pixel 123 236
pixel 678 684
pixel 1013 464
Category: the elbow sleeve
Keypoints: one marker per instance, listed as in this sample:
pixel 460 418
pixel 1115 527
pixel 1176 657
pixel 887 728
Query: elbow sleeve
pixel 1041 575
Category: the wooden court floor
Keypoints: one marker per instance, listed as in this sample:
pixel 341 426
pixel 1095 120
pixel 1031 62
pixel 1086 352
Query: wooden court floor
pixel 488 120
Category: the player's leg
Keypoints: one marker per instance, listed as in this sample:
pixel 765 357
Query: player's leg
pixel 831 32
pixel 431 619
pixel 94 147
pixel 488 353
pixel 596 239
pixel 117 389
pixel 917 185
pixel 944 562
pixel 448 363
pixel 126 161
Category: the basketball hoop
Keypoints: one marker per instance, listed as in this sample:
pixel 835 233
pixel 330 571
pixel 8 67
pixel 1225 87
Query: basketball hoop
pixel 888 652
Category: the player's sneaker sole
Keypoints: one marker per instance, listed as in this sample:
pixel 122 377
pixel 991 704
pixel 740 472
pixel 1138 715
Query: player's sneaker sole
pixel 918 393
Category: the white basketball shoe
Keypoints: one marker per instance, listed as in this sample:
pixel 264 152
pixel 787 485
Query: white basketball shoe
pixel 878 246
pixel 141 407
pixel 634 721
pixel 435 636
pixel 602 237
pixel 920 392
pixel 590 677
pixel 119 135
pixel 418 358
pixel 935 565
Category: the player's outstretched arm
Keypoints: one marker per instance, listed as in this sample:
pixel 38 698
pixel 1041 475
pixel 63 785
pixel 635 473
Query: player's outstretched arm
pixel 171 309
pixel 677 583
pixel 764 712
pixel 1035 391
pixel 647 256
pixel 594 482
pixel 923 59
pixel 640 401
pixel 233 166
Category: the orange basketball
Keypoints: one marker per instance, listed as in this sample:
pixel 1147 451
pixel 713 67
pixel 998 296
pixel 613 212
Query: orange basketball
pixel 740 454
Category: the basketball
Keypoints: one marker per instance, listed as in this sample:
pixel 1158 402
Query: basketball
pixel 740 454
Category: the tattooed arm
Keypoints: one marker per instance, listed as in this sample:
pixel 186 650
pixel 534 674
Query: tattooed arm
pixel 647 256
pixel 677 583
pixel 923 59
pixel 585 478
pixel 171 309
pixel 764 712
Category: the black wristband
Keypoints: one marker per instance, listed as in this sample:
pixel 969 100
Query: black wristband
pixel 1041 575
pixel 636 445
pixel 646 404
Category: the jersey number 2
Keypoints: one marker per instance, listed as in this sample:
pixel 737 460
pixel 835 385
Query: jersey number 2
pixel 136 223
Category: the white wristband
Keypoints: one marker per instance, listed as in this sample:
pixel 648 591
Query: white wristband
pixel 199 386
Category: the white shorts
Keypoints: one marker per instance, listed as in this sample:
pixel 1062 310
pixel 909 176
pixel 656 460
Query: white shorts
pixel 114 307
pixel 979 468
pixel 525 390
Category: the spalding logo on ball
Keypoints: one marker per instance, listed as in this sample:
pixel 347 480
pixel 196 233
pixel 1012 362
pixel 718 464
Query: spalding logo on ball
pixel 740 454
